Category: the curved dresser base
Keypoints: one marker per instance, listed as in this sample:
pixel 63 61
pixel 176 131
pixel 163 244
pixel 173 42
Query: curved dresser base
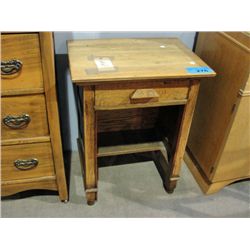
pixel 206 186
pixel 16 186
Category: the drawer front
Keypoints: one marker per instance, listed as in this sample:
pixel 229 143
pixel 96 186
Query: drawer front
pixel 24 76
pixel 27 161
pixel 24 117
pixel 134 95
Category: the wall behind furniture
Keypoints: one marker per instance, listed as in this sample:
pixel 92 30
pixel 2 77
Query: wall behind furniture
pixel 67 108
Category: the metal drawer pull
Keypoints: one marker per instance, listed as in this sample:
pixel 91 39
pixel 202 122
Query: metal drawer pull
pixel 11 67
pixel 16 122
pixel 26 164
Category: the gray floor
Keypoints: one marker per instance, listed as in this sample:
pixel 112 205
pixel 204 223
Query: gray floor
pixel 134 190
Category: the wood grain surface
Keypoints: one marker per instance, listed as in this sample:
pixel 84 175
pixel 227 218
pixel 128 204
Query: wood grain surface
pixel 217 96
pixel 41 151
pixel 34 106
pixel 90 145
pixel 205 184
pixel 48 66
pixel 119 95
pixel 185 125
pixel 126 119
pixel 134 74
pixel 218 149
pixel 15 186
pixel 24 47
pixel 235 158
pixel 132 59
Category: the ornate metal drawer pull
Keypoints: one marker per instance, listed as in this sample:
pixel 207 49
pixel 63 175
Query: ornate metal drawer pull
pixel 11 67
pixel 16 122
pixel 26 164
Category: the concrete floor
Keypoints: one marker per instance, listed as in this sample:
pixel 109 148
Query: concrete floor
pixel 132 190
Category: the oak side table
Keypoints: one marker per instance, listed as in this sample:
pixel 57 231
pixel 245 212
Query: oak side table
pixel 138 93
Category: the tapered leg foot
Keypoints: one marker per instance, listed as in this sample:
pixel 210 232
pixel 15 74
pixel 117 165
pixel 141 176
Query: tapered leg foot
pixel 170 186
pixel 91 198
pixel 90 203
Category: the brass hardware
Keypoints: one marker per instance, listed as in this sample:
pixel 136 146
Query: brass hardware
pixel 16 122
pixel 11 67
pixel 26 164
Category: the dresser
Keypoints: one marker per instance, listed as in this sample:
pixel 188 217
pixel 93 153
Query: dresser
pixel 218 149
pixel 134 96
pixel 31 150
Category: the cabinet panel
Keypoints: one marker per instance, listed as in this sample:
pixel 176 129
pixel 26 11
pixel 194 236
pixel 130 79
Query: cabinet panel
pixel 217 96
pixel 235 158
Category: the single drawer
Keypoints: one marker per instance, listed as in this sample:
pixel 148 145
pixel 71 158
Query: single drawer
pixel 24 117
pixel 26 161
pixel 21 68
pixel 137 94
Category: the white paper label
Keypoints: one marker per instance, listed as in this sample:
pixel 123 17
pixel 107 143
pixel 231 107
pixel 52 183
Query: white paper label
pixel 104 64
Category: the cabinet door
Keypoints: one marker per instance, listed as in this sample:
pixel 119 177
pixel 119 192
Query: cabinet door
pixel 235 158
pixel 217 97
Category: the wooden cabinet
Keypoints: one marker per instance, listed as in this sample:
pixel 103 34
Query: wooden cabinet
pixel 218 149
pixel 31 144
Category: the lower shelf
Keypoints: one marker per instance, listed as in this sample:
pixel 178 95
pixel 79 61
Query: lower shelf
pixel 131 148
pixel 131 142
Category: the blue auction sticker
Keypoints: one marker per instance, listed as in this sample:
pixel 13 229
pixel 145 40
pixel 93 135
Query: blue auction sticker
pixel 199 70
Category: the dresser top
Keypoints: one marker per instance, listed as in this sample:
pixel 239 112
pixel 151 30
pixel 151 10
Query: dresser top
pixel 102 60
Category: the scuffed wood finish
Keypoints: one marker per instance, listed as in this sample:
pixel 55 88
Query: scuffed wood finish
pixel 41 151
pixel 133 59
pixel 24 47
pixel 119 96
pixel 34 106
pixel 181 140
pixel 219 141
pixel 48 66
pixel 147 79
pixel 90 145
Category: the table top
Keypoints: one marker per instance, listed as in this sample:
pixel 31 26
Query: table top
pixel 105 60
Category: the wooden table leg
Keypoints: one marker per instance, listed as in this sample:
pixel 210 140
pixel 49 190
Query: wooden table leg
pixel 90 145
pixel 182 137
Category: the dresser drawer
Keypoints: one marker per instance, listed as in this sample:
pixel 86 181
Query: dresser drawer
pixel 24 75
pixel 134 95
pixel 27 161
pixel 24 117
